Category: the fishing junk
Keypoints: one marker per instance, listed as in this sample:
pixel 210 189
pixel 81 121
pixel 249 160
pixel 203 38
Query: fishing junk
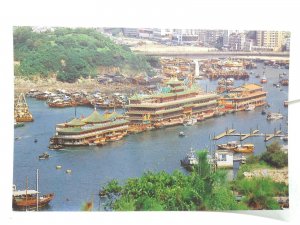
pixel 95 129
pixel 22 113
pixel 29 199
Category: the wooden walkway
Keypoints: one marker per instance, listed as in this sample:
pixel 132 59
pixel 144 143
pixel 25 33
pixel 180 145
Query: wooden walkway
pixel 244 136
pixel 226 133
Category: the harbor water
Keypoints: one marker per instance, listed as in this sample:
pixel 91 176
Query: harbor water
pixel 92 167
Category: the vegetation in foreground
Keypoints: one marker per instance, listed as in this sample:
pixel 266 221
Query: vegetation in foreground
pixel 202 189
pixel 71 53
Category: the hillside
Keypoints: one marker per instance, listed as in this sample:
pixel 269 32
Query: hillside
pixel 71 53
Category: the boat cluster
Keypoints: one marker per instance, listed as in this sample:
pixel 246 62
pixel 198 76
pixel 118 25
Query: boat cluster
pixel 63 98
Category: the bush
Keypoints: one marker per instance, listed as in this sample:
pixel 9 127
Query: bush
pixel 277 159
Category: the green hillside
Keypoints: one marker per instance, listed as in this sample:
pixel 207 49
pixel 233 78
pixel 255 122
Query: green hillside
pixel 70 53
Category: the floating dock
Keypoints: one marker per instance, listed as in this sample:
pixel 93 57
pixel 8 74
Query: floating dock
pixel 254 133
pixel 270 136
pixel 226 133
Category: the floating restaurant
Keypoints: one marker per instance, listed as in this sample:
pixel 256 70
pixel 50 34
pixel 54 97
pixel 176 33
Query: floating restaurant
pixel 175 105
pixel 95 129
pixel 241 98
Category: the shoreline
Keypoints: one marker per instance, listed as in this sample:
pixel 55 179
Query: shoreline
pixel 23 85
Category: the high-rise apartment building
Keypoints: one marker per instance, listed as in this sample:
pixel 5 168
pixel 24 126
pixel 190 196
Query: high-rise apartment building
pixel 272 40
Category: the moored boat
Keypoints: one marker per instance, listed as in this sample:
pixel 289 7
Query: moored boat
pixel 263 80
pixel 18 124
pixel 274 116
pixel 250 107
pixel 190 122
pixel 45 155
pixel 29 199
pixel 236 147
pixel 55 146
pixel 22 113
pixel 181 134
pixel 189 160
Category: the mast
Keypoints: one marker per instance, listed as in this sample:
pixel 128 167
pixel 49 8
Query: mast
pixel 37 189
pixel 26 193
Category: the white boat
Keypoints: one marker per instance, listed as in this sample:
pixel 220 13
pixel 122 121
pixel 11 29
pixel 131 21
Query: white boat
pixel 250 107
pixel 181 134
pixel 190 122
pixel 274 116
pixel 190 159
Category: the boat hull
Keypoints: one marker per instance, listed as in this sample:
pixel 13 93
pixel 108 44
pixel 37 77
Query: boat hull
pixel 30 202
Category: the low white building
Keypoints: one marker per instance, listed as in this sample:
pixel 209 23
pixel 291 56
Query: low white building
pixel 224 158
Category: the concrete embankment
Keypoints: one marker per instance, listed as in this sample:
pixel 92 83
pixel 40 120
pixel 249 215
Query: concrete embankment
pixel 194 51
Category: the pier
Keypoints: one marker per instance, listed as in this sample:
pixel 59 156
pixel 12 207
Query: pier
pixel 276 134
pixel 244 136
pixel 226 133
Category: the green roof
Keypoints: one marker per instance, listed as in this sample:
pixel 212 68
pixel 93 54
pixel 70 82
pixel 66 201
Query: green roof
pixel 95 117
pixel 75 122
pixel 168 110
pixel 178 88
pixel 90 127
pixel 164 95
pixel 180 101
pixel 115 115
pixel 174 81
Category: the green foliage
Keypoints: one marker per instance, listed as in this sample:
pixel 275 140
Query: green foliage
pixel 153 61
pixel 273 147
pixel 258 192
pixel 71 53
pixel 200 190
pixel 276 159
pixel 274 156
pixel 253 159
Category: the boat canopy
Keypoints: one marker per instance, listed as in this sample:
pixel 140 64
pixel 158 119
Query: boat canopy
pixel 24 192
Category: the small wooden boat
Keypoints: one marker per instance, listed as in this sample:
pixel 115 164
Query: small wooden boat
pixel 114 137
pixel 45 155
pixel 236 147
pixel 18 124
pixel 263 80
pixel 55 147
pixel 274 116
pixel 250 107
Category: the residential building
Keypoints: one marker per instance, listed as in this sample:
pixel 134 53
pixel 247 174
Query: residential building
pixel 270 40
pixel 237 41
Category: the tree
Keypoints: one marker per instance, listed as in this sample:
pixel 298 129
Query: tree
pixel 203 189
pixel 258 193
pixel 83 50
pixel 274 156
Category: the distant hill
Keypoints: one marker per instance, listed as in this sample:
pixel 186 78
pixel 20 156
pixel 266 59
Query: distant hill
pixel 71 53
